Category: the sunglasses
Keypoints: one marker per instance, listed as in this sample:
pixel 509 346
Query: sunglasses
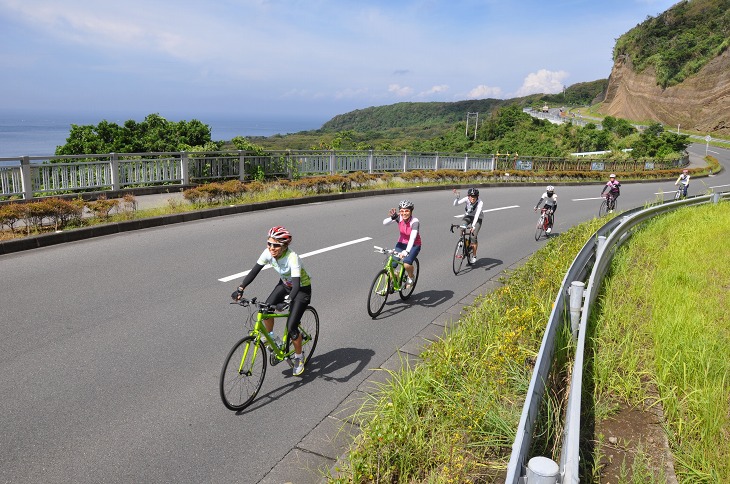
pixel 274 244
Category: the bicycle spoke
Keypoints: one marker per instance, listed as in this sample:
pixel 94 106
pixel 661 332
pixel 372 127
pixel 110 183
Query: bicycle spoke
pixel 378 294
pixel 309 327
pixel 458 256
pixel 243 373
pixel 406 291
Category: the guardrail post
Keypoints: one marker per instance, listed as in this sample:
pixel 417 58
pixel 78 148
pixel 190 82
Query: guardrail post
pixel 116 176
pixel 26 180
pixel 332 162
pixel 184 168
pixel 576 292
pixel 405 161
pixel 370 161
pixel 436 162
pixel 241 166
pixel 715 198
pixel 601 243
pixel 541 470
pixel 466 161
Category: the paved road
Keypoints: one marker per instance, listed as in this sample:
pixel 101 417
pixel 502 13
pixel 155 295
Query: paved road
pixel 112 346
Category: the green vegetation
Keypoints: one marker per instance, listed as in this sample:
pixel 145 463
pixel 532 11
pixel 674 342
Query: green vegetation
pixel 154 134
pixel 678 42
pixel 664 325
pixel 453 416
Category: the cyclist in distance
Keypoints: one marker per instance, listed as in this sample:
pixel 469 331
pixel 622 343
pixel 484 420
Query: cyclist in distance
pixel 472 216
pixel 614 189
pixel 294 286
pixel 683 181
pixel 409 240
pixel 551 203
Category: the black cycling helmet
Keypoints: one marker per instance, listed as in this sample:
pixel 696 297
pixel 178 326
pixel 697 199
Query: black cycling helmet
pixel 406 204
pixel 473 192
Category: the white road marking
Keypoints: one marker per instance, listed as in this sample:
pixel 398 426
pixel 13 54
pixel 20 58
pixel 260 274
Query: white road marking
pixel 491 210
pixel 314 252
pixel 583 199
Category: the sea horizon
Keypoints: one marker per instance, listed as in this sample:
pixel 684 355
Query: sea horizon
pixel 39 134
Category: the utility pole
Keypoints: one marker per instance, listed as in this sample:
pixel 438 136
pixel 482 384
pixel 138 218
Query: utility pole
pixel 475 116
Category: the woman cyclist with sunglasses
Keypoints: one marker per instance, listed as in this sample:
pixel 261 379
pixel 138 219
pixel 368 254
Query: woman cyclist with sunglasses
pixel 294 286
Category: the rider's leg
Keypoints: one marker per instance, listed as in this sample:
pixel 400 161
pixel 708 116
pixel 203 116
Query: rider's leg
pixel 408 260
pixel 277 296
pixel 300 303
pixel 475 238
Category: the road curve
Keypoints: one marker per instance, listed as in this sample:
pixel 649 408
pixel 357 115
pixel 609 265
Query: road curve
pixel 112 346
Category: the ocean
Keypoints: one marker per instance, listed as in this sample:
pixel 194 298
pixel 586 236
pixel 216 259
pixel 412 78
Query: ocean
pixel 39 135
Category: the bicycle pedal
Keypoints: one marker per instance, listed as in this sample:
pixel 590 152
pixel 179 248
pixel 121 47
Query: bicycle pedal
pixel 273 360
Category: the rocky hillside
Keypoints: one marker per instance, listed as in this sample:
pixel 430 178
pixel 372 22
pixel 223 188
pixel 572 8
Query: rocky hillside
pixel 697 100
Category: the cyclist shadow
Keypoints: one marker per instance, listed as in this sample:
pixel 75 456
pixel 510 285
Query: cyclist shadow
pixel 429 299
pixel 320 366
pixel 485 263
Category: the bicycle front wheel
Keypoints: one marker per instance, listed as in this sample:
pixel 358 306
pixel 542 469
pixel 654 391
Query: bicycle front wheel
pixel 678 195
pixel 540 227
pixel 309 328
pixel 405 292
pixel 603 210
pixel 459 255
pixel 378 294
pixel 243 373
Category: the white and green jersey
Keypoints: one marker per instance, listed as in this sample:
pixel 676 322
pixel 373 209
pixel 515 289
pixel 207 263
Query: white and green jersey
pixel 288 267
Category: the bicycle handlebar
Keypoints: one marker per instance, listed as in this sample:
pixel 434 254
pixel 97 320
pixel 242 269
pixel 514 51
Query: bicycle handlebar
pixel 381 250
pixel 262 306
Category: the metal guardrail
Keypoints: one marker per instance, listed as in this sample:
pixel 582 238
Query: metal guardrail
pixel 31 176
pixel 592 262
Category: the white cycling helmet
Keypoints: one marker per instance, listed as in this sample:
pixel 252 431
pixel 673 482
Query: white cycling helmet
pixel 612 175
pixel 550 188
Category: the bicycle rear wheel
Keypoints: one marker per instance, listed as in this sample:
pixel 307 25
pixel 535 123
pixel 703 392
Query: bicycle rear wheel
pixel 678 195
pixel 243 373
pixel 459 254
pixel 406 292
pixel 540 227
pixel 378 294
pixel 309 328
pixel 603 210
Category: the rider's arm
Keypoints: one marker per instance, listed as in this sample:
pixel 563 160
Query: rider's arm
pixel 389 220
pixel 537 205
pixel 458 201
pixel 251 276
pixel 295 285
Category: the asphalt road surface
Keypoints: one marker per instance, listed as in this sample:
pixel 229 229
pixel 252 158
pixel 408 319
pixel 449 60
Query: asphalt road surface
pixel 112 347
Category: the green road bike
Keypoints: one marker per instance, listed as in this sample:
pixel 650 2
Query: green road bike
pixel 608 204
pixel 391 278
pixel 463 247
pixel 245 366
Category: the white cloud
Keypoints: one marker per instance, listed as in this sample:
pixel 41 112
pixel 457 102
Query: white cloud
pixel 400 91
pixel 434 90
pixel 542 82
pixel 482 92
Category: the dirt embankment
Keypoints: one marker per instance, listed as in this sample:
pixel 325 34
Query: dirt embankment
pixel 701 103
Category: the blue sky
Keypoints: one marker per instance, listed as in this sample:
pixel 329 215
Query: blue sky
pixel 313 58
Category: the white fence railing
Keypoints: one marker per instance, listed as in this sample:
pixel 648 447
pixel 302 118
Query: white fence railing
pixel 33 176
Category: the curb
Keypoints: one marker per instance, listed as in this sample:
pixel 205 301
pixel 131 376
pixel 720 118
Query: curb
pixel 321 453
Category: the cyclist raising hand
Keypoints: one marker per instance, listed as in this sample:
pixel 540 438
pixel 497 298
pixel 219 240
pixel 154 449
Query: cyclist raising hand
pixel 472 217
pixel 294 286
pixel 614 190
pixel 409 241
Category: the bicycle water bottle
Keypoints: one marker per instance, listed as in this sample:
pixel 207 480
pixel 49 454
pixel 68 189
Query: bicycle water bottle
pixel 277 340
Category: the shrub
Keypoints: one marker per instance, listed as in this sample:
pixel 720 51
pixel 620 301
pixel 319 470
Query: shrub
pixel 10 215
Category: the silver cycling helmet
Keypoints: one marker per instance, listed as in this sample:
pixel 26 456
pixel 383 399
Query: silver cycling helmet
pixel 406 204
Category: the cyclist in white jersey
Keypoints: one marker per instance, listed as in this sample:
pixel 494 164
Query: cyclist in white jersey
pixel 683 181
pixel 294 286
pixel 473 214
pixel 551 203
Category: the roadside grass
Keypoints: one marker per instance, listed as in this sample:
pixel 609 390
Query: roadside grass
pixel 665 324
pixel 452 417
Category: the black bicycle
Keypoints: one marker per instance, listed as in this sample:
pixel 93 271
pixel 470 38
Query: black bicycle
pixel 607 205
pixel 463 249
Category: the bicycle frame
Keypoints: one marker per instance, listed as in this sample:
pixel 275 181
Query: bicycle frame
pixel 260 332
pixel 391 261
